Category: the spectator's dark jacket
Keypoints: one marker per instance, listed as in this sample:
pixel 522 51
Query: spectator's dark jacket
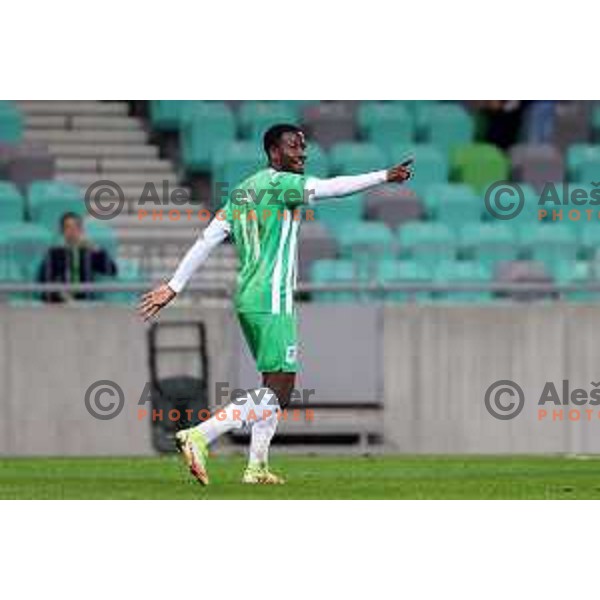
pixel 74 265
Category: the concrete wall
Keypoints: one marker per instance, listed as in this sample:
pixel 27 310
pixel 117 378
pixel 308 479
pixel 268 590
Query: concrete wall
pixel 429 366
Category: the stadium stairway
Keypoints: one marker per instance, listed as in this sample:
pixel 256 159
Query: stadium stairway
pixel 92 141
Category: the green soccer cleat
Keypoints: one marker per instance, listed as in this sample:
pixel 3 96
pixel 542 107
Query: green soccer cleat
pixel 260 475
pixel 194 448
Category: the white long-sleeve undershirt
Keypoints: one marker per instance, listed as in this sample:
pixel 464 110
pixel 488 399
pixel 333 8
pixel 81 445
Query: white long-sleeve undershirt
pixel 344 185
pixel 218 229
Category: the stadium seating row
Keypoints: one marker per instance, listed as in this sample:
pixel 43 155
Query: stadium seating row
pixel 444 272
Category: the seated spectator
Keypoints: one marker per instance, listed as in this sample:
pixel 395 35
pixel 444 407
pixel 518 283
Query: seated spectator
pixel 76 261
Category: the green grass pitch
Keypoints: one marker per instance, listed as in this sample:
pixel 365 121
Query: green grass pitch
pixel 309 477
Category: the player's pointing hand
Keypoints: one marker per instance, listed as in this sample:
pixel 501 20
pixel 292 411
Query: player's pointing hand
pixel 400 173
pixel 153 301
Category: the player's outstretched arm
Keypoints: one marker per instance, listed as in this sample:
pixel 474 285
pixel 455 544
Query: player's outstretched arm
pixel 351 184
pixel 159 297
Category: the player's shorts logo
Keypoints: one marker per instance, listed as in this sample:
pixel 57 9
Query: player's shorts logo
pixel 291 353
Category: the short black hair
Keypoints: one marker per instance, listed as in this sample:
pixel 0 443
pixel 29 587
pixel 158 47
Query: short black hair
pixel 273 135
pixel 70 215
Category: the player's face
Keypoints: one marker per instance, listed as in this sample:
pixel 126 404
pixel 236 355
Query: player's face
pixel 292 150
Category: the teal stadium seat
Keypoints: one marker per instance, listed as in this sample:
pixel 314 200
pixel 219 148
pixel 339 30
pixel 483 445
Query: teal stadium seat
pixel 317 161
pixel 103 235
pixel 11 273
pixel 203 128
pixel 12 203
pixel 440 198
pixel 581 272
pixel 11 123
pixel 128 271
pixel 590 241
pixel 403 271
pixel 448 126
pixel 489 243
pixel 556 246
pixel 421 111
pixel 25 245
pixel 333 271
pixel 430 166
pixel 49 200
pixel 385 123
pixel 596 122
pixel 458 205
pixel 463 272
pixel 337 213
pixel 366 243
pixel 583 162
pixel 352 158
pixel 427 243
pixel 256 116
pixel 234 161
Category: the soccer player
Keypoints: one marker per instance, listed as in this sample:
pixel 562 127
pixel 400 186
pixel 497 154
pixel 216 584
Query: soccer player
pixel 264 300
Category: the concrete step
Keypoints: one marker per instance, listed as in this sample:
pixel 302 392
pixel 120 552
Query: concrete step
pixel 77 165
pixel 122 178
pixel 137 165
pixel 72 107
pixel 119 166
pixel 103 150
pixel 46 121
pixel 83 136
pixel 105 122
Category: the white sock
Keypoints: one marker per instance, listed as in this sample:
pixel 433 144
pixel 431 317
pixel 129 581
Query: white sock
pixel 256 405
pixel 261 436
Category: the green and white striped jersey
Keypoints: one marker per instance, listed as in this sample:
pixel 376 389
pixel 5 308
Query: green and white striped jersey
pixel 264 222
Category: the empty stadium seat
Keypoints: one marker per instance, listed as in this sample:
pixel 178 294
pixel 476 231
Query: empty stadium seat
pixel 11 123
pixel 48 201
pixel 328 123
pixel 583 162
pixel 338 212
pixel 403 271
pixel 448 125
pixel 12 203
pixel 368 240
pixel 334 271
pixel 351 158
pixel 316 243
pixel 385 123
pixel 479 165
pixel 202 131
pixel 317 161
pixel 233 162
pixel 581 272
pixel 554 245
pixel 536 164
pixel 393 205
pixel 596 123
pixel 128 271
pixel 103 235
pixel 440 198
pixel 458 272
pixel 489 243
pixel 430 166
pixel 459 207
pixel 256 116
pixel 25 245
pixel 427 243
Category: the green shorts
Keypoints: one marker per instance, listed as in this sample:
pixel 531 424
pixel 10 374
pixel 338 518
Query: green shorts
pixel 273 341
